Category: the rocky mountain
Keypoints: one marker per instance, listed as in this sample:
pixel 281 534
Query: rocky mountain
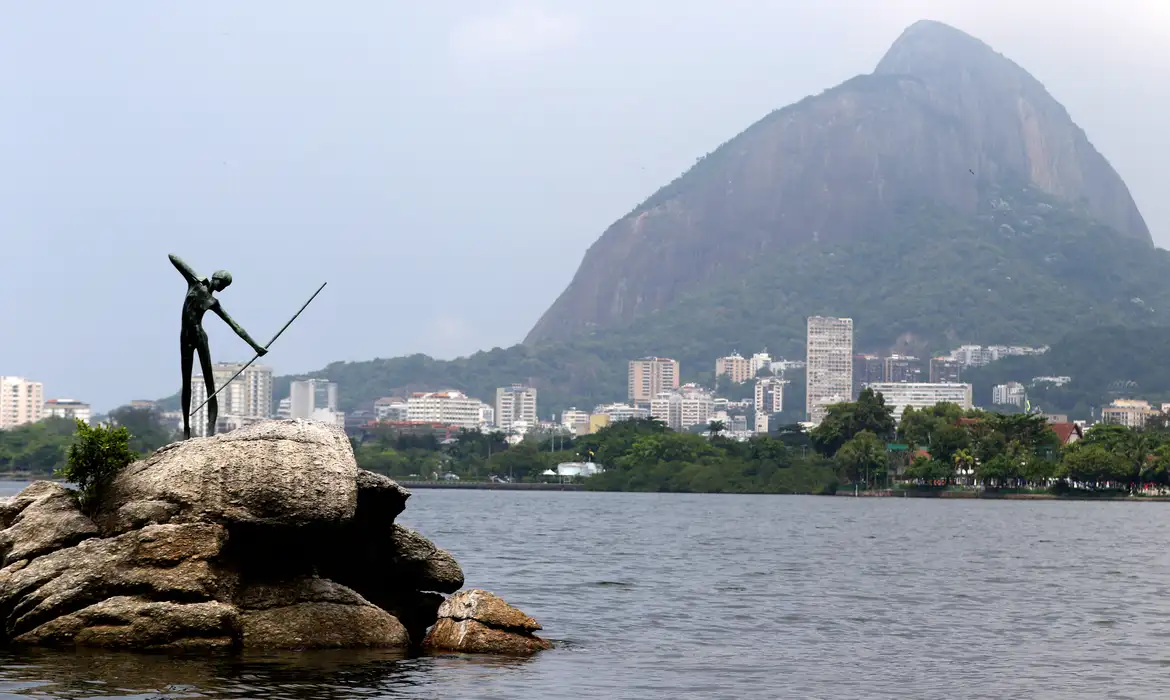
pixel 945 198
pixel 943 121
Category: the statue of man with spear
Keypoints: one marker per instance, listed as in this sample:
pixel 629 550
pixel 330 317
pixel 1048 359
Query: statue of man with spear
pixel 193 339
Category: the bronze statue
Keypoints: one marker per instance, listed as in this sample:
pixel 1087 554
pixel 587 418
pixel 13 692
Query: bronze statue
pixel 192 337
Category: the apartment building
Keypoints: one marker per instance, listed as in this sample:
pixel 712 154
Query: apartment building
pixel 391 409
pixel 69 409
pixel 736 367
pixel 945 370
pixel 901 369
pixel 620 411
pixel 651 376
pixel 688 406
pixel 1010 394
pixel 828 364
pixel 760 361
pixel 1132 413
pixel 21 402
pixel 899 395
pixel 867 369
pixel 769 399
pixel 447 407
pixel 247 399
pixel 516 403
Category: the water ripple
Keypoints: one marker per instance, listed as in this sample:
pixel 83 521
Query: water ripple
pixel 686 596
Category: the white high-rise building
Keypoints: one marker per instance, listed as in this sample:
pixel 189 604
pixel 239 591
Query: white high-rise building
pixel 315 400
pixel 247 399
pixel 759 361
pixel 681 409
pixel 69 409
pixel 621 411
pixel 447 407
pixel 21 402
pixel 1010 394
pixel 899 395
pixel 769 400
pixel 828 364
pixel 515 403
pixel 391 409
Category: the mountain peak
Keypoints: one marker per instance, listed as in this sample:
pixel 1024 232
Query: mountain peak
pixel 944 122
pixel 928 47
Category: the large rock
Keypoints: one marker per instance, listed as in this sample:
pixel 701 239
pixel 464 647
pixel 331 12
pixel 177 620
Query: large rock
pixel 478 622
pixel 266 537
pixel 159 562
pixel 287 472
pixel 315 613
pixel 43 518
pixel 130 622
pixel 425 566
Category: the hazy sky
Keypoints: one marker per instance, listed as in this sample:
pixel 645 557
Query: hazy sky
pixel 442 164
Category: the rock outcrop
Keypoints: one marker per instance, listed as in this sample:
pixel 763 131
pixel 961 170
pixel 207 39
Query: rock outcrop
pixel 266 537
pixel 478 622
pixel 943 121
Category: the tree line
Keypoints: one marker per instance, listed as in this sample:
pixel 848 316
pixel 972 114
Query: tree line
pixel 858 443
pixel 945 445
pixel 39 449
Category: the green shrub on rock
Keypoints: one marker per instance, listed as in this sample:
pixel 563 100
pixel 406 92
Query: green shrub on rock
pixel 96 456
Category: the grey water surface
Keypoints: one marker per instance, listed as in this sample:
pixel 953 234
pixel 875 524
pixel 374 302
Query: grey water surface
pixel 664 596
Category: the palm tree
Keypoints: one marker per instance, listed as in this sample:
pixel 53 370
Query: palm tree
pixel 716 428
pixel 964 462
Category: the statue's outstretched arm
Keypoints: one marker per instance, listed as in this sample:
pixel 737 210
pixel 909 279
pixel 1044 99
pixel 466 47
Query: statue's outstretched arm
pixel 184 269
pixel 260 350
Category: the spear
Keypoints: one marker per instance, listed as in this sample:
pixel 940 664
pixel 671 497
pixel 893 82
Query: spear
pixel 241 371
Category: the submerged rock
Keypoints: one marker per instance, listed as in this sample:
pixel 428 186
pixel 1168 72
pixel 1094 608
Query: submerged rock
pixel 478 622
pixel 266 537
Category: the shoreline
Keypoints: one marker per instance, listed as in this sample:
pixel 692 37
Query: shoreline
pixel 994 496
pixel 843 493
pixel 489 486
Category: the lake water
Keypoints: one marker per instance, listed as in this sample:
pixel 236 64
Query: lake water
pixel 667 596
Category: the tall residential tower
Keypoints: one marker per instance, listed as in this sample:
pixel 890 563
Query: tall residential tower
pixel 650 376
pixel 828 365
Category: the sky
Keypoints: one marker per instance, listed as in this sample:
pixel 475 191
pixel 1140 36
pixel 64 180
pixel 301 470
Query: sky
pixel 442 165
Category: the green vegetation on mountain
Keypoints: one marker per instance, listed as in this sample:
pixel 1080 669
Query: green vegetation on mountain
pixel 945 199
pixel 944 122
pixel 1104 363
pixel 1027 270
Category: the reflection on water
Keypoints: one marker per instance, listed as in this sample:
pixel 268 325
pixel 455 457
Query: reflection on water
pixel 272 676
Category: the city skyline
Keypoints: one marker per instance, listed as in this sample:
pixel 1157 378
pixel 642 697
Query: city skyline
pixel 262 201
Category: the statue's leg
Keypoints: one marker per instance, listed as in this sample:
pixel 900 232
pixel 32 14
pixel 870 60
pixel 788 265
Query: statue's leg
pixel 209 382
pixel 187 352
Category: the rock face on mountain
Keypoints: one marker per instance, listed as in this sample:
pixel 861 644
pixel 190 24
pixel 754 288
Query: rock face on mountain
pixel 944 120
pixel 265 537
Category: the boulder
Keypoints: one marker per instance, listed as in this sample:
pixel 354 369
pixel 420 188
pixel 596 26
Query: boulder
pixel 424 566
pixel 43 518
pixel 287 472
pixel 267 537
pixel 315 613
pixel 478 622
pixel 159 562
pixel 131 622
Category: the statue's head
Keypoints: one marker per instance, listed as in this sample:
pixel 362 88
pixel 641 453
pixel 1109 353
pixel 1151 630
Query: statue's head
pixel 220 280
